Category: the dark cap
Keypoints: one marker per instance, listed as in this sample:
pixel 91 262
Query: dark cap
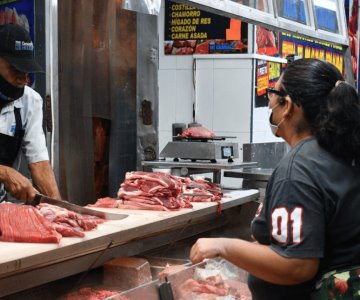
pixel 17 48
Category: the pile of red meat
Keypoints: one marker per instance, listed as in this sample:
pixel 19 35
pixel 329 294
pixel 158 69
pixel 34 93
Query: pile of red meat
pixel 43 224
pixel 218 279
pixel 88 293
pixel 160 191
pixel 213 287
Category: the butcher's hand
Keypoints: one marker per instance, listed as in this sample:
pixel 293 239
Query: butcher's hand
pixel 205 248
pixel 16 184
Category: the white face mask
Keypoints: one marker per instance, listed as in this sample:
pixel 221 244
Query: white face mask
pixel 274 128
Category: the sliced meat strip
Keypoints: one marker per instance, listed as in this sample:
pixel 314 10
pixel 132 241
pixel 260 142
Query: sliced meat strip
pixel 23 223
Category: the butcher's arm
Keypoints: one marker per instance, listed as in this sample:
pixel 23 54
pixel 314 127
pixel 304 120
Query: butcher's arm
pixel 44 178
pixel 259 260
pixel 16 184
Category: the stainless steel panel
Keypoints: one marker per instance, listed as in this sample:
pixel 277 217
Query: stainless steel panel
pixel 267 155
pixel 97 66
pixel 199 165
pixel 198 150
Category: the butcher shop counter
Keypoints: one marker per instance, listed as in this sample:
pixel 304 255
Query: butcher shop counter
pixel 27 265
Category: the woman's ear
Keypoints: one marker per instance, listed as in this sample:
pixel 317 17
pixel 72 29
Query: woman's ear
pixel 288 105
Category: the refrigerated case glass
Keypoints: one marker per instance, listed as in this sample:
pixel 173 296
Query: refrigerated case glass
pixel 326 15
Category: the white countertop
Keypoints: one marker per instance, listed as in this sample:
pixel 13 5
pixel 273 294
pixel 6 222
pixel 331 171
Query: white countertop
pixel 21 261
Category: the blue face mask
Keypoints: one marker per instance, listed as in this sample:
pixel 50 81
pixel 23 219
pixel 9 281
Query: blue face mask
pixel 9 92
pixel 274 128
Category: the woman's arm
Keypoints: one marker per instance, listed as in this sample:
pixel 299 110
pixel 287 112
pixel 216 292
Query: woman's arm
pixel 259 260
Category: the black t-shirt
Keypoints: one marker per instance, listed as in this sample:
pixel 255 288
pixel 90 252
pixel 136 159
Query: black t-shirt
pixel 311 209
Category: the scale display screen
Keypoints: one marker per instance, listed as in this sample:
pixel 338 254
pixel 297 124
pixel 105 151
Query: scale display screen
pixel 227 151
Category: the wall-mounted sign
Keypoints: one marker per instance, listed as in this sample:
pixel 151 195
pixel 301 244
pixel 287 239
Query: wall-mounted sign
pixel 6 1
pixel 308 48
pixel 189 30
pixel 354 40
pixel 266 41
pixel 267 73
pixel 19 12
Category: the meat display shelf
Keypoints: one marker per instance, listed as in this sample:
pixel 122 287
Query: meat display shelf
pixel 34 264
pixel 186 167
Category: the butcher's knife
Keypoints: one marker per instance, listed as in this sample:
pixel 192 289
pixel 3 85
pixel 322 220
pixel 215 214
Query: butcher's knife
pixel 39 198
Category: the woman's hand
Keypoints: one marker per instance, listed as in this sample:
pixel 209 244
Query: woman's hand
pixel 206 248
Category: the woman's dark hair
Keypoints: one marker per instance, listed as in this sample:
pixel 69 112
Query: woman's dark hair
pixel 331 106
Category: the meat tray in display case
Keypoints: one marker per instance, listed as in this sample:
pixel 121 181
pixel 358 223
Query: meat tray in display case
pixel 215 278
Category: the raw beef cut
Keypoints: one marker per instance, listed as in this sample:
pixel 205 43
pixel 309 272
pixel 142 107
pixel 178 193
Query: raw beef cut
pixel 23 223
pixel 87 293
pixel 213 287
pixel 203 187
pixel 68 223
pixel 197 132
pixel 147 190
pixel 152 188
pixel 160 191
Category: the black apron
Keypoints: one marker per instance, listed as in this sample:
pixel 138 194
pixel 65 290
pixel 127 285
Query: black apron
pixel 10 145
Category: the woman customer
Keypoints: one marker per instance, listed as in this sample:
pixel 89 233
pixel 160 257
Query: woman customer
pixel 309 222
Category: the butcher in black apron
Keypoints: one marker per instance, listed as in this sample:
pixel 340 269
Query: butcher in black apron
pixel 21 119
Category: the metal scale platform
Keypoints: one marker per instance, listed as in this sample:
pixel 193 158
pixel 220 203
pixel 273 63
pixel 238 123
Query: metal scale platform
pixel 187 156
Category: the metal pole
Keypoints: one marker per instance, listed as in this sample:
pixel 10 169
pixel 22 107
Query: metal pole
pixel 52 79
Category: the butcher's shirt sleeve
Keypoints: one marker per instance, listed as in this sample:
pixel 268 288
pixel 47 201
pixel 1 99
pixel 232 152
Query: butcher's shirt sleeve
pixel 296 220
pixel 34 142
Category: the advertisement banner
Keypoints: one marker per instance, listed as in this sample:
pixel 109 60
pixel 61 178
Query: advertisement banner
pixel 266 42
pixel 19 12
pixel 303 47
pixel 189 30
pixel 353 25
pixel 267 74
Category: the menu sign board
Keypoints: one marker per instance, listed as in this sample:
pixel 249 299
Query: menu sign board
pixel 189 30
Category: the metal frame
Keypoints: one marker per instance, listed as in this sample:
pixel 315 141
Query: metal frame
pixel 272 21
pixel 52 78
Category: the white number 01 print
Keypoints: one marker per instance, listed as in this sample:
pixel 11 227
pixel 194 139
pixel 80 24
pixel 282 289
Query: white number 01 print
pixel 281 218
